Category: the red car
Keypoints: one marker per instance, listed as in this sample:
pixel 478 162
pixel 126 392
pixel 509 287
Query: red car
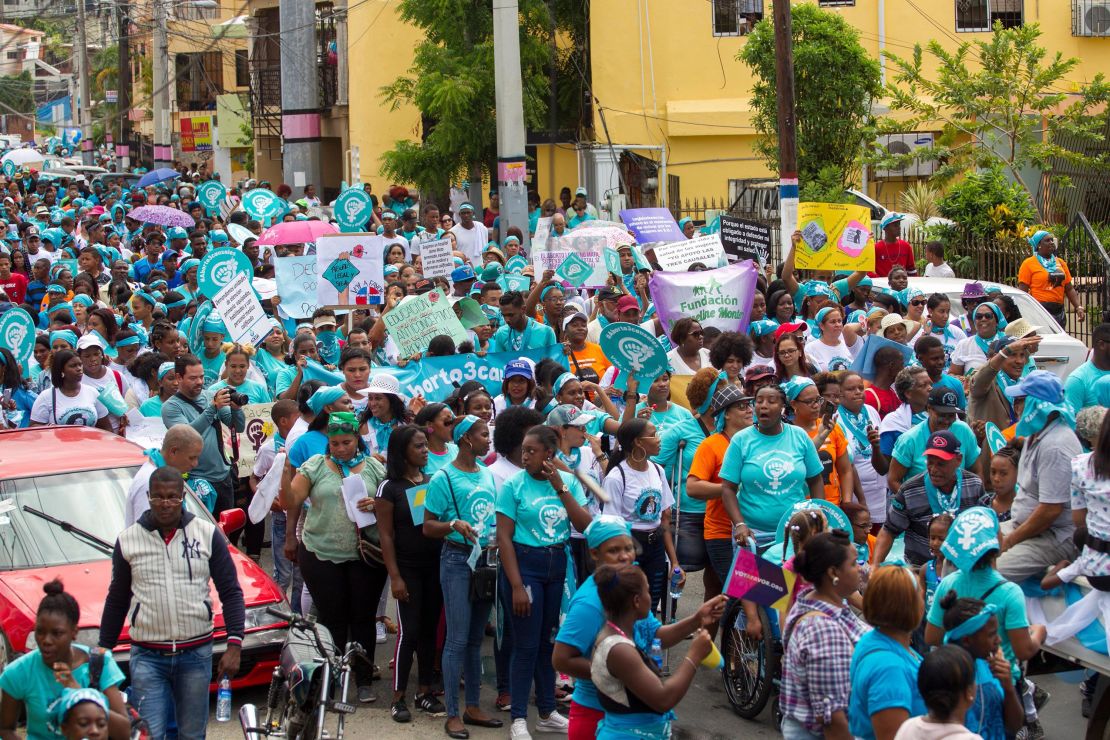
pixel 62 496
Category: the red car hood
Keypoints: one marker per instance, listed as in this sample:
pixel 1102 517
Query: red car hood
pixel 88 583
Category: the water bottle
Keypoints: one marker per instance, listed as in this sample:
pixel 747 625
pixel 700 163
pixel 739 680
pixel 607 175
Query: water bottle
pixel 657 653
pixel 223 700
pixel 676 583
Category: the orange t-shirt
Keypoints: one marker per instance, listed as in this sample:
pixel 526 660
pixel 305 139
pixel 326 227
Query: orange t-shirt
pixel 707 466
pixel 836 444
pixel 1033 274
pixel 591 357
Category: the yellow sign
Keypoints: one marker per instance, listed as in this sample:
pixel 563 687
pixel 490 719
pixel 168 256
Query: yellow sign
pixel 835 236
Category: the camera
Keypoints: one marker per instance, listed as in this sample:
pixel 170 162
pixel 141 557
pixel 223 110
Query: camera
pixel 239 399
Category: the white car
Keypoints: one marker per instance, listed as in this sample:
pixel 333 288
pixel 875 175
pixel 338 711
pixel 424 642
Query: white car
pixel 1059 351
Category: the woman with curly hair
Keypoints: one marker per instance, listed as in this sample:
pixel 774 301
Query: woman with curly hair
pixel 731 353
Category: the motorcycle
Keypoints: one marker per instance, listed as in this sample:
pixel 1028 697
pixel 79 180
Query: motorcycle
pixel 310 682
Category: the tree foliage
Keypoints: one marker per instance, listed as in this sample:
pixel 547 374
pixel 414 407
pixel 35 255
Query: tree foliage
pixel 451 83
pixel 16 94
pixel 834 83
pixel 1001 102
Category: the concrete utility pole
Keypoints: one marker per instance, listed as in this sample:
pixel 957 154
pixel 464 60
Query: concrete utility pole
pixel 81 60
pixel 788 142
pixel 300 98
pixel 511 163
pixel 163 131
pixel 123 77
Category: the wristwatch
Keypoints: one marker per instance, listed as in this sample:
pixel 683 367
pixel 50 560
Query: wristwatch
pixel 562 490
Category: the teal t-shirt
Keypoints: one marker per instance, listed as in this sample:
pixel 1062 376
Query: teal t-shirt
pixel 456 494
pixel 541 520
pixel 271 368
pixel 884 676
pixel 1080 386
pixel 770 472
pixel 212 367
pixel 534 336
pixel 676 425
pixel 152 407
pixel 32 682
pixel 256 392
pixel 437 462
pixel 909 450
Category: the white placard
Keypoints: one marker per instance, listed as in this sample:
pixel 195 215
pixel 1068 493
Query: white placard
pixel 354 490
pixel 678 256
pixel 586 244
pixel 267 490
pixel 241 312
pixel 349 269
pixel 148 432
pixel 435 256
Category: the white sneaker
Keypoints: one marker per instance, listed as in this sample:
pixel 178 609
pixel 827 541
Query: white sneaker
pixel 554 722
pixel 381 632
pixel 519 730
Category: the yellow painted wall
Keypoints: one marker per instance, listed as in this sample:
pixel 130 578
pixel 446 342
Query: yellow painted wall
pixel 556 168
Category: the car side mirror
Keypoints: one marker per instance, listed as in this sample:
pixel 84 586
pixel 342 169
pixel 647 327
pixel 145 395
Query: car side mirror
pixel 232 520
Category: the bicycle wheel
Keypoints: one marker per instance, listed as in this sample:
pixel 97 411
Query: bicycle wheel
pixel 750 665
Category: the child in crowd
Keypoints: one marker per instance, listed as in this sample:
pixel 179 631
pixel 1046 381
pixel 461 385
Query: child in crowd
pixel 946 681
pixel 931 573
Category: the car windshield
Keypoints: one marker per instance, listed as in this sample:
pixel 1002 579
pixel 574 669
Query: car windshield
pixel 91 500
pixel 1027 307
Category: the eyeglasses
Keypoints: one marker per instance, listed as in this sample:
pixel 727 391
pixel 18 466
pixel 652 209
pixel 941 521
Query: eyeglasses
pixel 787 352
pixel 811 402
pixel 984 316
pixel 698 334
pixel 167 501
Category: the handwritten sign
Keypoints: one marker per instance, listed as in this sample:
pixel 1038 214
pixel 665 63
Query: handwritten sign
pixel 651 225
pixel 746 240
pixel 417 319
pixel 835 236
pixel 351 270
pixel 296 285
pixel 587 246
pixel 435 256
pixel 242 314
pixel 341 273
pixel 678 256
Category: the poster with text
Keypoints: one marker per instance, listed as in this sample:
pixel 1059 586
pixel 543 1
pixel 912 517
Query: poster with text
pixel 651 225
pixel 588 246
pixel 349 269
pixel 246 321
pixel 678 256
pixel 436 259
pixel 835 236
pixel 296 285
pixel 746 240
pixel 720 298
pixel 417 319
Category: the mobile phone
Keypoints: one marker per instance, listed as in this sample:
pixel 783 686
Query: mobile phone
pixel 828 408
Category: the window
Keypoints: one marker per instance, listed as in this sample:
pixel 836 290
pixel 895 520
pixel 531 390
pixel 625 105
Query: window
pixel 13 55
pixel 242 72
pixel 736 17
pixel 981 15
pixel 833 3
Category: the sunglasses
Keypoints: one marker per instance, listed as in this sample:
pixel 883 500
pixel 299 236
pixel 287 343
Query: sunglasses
pixel 698 334
pixel 918 303
pixel 984 316
pixel 343 427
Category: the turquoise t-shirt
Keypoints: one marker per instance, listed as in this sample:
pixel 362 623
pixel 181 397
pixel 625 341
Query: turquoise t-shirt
pixel 909 450
pixel 541 519
pixel 32 682
pixel 212 367
pixel 771 473
pixel 152 407
pixel 884 676
pixel 1079 388
pixel 256 392
pixel 673 426
pixel 472 500
pixel 534 336
pixel 437 462
pixel 271 368
pixel 584 620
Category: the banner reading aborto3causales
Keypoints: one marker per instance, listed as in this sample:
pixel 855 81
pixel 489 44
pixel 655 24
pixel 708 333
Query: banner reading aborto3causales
pixel 720 298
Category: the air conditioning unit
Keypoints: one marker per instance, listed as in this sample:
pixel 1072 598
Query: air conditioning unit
pixel 1090 18
pixel 900 144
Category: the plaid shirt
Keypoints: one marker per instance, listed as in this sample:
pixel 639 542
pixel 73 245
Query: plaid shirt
pixel 909 511
pixel 815 674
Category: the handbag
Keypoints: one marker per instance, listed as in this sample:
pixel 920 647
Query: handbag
pixel 370 545
pixel 483 580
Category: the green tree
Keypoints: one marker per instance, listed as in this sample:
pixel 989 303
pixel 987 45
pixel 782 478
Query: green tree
pixel 16 94
pixel 834 83
pixel 1000 102
pixel 451 83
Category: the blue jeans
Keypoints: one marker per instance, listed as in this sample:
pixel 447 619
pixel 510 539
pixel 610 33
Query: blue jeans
pixel 542 571
pixel 653 562
pixel 283 569
pixel 466 628
pixel 156 678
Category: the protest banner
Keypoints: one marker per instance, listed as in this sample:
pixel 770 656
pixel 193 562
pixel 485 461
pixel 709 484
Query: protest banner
pixel 835 236
pixel 414 321
pixel 704 249
pixel 246 321
pixel 435 257
pixel 746 240
pixel 353 209
pixel 436 377
pixel 634 350
pixel 296 285
pixel 219 267
pixel 257 431
pixel 720 298
pixel 588 246
pixel 651 225
pixel 349 268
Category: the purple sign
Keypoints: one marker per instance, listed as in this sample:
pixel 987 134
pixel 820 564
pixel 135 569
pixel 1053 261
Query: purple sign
pixel 651 225
pixel 720 298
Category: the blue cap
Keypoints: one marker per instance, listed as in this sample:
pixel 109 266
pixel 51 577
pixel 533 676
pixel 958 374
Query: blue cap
pixel 1040 384
pixel 176 232
pixel 219 237
pixel 891 218
pixel 459 274
pixel 518 369
pixel 169 254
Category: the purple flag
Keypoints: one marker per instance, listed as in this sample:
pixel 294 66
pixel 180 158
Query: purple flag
pixel 720 298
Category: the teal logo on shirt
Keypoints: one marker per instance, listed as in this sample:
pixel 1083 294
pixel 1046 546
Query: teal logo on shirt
pixel 550 517
pixel 81 416
pixel 647 505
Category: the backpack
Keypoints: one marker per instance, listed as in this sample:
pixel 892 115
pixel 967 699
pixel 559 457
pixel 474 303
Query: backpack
pixel 139 729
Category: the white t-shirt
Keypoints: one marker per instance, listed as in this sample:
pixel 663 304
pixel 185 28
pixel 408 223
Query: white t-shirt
pixel 388 241
pixel 836 357
pixel 873 484
pixel 471 241
pixel 681 368
pixel 108 379
pixel 502 469
pixel 943 270
pixel 300 426
pixel 918 728
pixel 968 354
pixel 638 497
pixel 138 495
pixel 84 409
pixel 501 402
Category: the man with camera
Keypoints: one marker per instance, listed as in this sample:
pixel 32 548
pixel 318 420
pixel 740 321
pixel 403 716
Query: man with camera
pixel 207 413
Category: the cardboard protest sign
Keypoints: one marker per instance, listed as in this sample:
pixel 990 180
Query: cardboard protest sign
pixel 350 269
pixel 470 313
pixel 219 267
pixel 835 236
pixel 746 240
pixel 296 285
pixel 418 318
pixel 720 298
pixel 435 256
pixel 651 225
pixel 543 231
pixel 510 282
pixel 588 246
pixel 242 314
pixel 677 256
pixel 256 432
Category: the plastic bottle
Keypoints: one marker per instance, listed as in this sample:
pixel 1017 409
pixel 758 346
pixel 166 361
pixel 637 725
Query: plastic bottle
pixel 223 700
pixel 676 583
pixel 657 653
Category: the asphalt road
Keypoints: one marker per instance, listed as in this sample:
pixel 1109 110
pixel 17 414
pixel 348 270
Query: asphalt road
pixel 704 714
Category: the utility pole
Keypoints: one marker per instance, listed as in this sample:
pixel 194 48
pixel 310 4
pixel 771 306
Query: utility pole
pixel 788 142
pixel 300 96
pixel 163 138
pixel 81 61
pixel 512 169
pixel 123 96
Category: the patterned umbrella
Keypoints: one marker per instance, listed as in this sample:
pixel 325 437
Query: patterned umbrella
pixel 24 157
pixel 295 232
pixel 615 234
pixel 163 216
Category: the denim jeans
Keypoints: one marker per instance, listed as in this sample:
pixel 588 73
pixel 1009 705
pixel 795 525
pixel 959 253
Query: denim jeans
pixel 792 729
pixel 542 571
pixel 283 569
pixel 653 562
pixel 186 675
pixel 466 628
pixel 720 552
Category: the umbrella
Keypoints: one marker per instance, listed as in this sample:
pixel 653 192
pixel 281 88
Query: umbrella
pixel 23 157
pixel 163 216
pixel 295 232
pixel 614 235
pixel 159 175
